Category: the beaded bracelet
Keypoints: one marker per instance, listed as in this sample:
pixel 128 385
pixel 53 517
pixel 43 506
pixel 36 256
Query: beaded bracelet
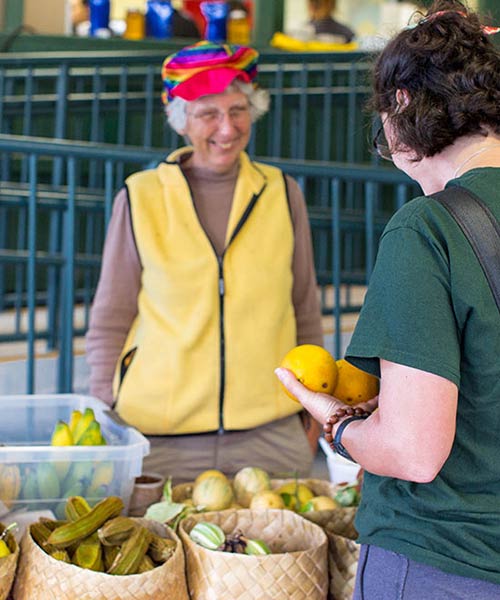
pixel 353 414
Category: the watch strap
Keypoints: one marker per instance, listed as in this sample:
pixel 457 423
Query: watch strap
pixel 337 440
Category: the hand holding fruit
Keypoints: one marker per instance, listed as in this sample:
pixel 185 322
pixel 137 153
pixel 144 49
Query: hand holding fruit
pixel 320 406
pixel 310 375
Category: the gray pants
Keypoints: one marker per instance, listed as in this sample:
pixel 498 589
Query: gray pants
pixel 385 575
pixel 280 447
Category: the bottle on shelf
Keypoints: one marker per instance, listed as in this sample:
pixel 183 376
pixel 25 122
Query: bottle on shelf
pixel 215 14
pixel 135 24
pixel 159 19
pixel 99 17
pixel 238 28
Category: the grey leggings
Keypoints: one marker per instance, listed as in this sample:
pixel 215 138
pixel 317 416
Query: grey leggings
pixel 385 575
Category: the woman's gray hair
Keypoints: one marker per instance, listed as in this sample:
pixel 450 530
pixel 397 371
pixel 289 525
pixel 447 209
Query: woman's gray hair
pixel 259 101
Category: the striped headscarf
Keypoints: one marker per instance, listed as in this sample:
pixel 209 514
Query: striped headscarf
pixel 206 68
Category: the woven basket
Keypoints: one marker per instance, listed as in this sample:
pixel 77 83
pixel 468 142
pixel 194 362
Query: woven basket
pixel 8 565
pixel 338 524
pixel 297 569
pixel 41 577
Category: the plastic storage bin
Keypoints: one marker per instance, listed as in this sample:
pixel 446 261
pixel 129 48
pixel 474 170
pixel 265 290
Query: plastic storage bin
pixel 36 476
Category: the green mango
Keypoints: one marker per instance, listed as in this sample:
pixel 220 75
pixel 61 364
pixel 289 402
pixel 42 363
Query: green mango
pixel 81 471
pixel 29 489
pixel 48 481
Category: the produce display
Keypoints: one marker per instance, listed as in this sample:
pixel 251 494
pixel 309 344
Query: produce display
pixel 248 482
pixel 253 488
pixel 315 368
pixel 5 550
pixel 82 430
pixel 88 528
pixel 37 482
pixel 354 385
pixel 249 553
pixel 212 537
pixel 100 539
pixel 10 484
pixel 9 553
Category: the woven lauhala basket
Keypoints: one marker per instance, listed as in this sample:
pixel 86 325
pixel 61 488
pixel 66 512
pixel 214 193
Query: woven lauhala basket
pixel 8 565
pixel 338 524
pixel 297 569
pixel 41 577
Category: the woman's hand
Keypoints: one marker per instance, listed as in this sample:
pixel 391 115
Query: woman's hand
pixel 319 405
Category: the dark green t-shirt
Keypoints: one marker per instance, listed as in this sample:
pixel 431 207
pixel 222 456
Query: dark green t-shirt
pixel 429 306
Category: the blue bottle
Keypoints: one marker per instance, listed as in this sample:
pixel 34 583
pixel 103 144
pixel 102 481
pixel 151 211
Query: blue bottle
pixel 159 19
pixel 99 15
pixel 215 14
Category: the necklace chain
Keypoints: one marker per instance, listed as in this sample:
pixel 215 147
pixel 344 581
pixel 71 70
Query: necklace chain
pixel 473 155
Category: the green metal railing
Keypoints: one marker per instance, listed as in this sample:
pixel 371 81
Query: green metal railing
pixel 348 207
pixel 316 110
pixel 316 114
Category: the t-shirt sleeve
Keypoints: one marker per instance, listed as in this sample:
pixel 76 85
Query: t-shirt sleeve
pixel 408 315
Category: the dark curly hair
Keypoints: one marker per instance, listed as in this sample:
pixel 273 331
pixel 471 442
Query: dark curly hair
pixel 451 71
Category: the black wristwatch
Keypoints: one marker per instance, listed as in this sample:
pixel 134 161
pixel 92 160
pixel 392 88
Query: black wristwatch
pixel 337 442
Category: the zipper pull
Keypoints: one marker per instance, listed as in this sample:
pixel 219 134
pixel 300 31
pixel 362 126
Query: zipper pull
pixel 221 276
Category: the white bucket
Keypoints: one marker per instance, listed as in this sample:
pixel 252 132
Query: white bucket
pixel 340 469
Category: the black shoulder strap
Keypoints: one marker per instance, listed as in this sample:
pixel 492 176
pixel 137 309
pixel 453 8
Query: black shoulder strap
pixel 480 227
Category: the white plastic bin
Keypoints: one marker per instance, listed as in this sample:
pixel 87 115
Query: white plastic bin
pixel 94 472
pixel 340 469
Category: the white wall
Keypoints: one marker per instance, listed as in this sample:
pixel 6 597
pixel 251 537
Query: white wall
pixel 47 16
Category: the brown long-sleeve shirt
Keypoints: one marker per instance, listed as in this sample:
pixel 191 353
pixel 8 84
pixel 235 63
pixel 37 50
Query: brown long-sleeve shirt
pixel 115 303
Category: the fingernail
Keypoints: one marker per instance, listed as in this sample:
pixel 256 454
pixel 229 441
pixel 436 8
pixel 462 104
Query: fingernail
pixel 278 372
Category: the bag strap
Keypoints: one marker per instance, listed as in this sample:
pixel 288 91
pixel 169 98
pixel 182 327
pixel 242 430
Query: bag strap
pixel 480 227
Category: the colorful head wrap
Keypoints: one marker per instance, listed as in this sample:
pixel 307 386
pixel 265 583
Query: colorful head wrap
pixel 206 68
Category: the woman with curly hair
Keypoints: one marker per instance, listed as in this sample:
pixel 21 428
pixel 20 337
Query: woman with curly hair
pixel 429 521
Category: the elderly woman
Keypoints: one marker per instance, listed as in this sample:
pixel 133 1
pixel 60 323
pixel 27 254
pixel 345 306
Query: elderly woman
pixel 429 520
pixel 207 281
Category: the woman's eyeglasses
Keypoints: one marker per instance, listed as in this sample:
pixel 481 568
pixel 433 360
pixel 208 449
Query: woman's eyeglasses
pixel 210 116
pixel 381 145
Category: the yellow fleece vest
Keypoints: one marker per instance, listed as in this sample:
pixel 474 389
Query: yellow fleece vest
pixel 201 353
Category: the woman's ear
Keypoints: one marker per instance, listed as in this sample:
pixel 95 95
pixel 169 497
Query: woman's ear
pixel 402 98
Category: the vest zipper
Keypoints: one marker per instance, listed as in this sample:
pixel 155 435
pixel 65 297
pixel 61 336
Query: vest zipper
pixel 222 344
pixel 222 290
pixel 220 260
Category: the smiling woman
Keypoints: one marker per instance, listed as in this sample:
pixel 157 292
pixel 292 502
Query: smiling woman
pixel 218 127
pixel 207 281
